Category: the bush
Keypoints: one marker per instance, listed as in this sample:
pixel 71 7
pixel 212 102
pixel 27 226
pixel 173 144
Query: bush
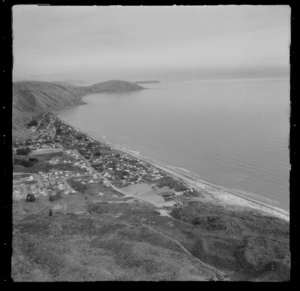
pixel 26 163
pixel 23 151
pixel 55 197
pixel 32 123
pixel 30 198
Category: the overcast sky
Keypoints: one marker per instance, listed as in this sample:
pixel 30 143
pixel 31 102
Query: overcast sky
pixel 128 42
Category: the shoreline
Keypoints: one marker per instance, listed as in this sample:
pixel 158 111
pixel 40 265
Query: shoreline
pixel 225 196
pixel 201 184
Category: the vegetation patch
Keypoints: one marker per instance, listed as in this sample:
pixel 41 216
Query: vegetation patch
pixel 255 242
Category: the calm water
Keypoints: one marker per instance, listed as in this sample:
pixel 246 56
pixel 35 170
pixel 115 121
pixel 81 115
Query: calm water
pixel 232 133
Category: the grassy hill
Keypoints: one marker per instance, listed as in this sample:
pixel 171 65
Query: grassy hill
pixel 34 97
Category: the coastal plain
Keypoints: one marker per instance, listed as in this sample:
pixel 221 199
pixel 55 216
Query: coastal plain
pixel 100 213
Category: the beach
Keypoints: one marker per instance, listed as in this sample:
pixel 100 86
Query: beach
pixel 213 193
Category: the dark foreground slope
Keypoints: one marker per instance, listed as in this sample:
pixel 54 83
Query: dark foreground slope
pixel 131 241
pixel 34 97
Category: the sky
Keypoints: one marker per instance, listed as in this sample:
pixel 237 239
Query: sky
pixel 134 43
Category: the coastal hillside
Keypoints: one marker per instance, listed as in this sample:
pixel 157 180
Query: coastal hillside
pixel 34 97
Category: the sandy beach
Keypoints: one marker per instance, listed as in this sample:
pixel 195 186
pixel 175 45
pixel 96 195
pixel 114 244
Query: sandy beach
pixel 213 193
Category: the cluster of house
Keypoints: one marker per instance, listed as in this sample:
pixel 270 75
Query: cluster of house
pixel 37 143
pixel 121 169
pixel 37 190
pixel 124 170
pixel 50 185
pixel 55 180
pixel 80 163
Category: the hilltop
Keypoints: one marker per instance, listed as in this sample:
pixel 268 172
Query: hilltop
pixel 31 98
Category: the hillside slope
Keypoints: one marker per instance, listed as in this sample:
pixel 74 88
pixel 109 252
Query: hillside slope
pixel 32 98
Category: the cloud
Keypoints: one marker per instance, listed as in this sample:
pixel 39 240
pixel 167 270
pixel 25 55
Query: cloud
pixel 68 39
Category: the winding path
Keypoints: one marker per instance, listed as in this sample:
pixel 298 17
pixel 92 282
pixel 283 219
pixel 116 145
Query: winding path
pixel 218 275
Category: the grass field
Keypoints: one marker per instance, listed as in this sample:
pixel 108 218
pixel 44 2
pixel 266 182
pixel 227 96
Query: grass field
pixel 96 247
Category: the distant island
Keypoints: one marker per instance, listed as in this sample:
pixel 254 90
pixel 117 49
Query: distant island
pixel 147 82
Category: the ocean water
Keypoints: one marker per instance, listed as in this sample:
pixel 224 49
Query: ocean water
pixel 231 133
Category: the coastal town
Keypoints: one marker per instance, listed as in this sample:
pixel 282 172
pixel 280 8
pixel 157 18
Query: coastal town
pixel 59 160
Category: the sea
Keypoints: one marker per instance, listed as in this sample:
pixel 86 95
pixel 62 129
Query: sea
pixel 232 133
